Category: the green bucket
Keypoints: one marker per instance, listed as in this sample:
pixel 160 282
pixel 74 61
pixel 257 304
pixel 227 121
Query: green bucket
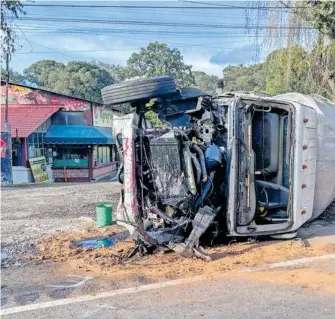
pixel 103 214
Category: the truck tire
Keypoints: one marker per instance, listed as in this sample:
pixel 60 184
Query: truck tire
pixel 137 90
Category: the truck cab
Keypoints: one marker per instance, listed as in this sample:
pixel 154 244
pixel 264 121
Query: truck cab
pixel 197 167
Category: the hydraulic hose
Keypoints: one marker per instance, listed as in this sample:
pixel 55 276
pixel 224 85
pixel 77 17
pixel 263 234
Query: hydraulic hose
pixel 197 168
pixel 188 169
pixel 200 199
pixel 202 162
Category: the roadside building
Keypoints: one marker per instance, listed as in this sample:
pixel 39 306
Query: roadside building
pixel 73 135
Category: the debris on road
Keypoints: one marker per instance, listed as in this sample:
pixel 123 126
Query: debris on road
pixel 115 261
pixel 98 242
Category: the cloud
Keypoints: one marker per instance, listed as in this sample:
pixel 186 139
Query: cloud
pixel 97 48
pixel 238 55
pixel 202 64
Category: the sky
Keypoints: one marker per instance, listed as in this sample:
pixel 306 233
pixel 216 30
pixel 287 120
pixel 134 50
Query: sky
pixel 209 35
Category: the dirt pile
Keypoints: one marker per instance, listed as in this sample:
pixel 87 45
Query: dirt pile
pixel 60 247
pixel 113 261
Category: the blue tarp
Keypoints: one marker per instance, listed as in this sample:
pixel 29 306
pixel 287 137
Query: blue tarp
pixel 78 134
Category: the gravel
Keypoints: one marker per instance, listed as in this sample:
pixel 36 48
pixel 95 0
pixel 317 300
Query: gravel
pixel 326 219
pixel 33 211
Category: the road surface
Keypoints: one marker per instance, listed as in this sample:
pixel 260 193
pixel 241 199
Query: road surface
pixel 42 290
pixel 229 296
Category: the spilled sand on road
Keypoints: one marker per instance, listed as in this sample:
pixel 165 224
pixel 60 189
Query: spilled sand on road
pixel 314 278
pixel 112 262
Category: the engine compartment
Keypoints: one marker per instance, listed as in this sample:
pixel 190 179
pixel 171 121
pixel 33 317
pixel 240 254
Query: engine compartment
pixel 181 170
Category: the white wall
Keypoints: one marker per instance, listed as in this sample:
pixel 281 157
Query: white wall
pixel 22 175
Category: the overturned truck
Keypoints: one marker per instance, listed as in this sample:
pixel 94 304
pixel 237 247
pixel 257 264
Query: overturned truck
pixel 196 167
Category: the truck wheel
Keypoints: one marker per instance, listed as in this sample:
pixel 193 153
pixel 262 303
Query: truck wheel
pixel 138 89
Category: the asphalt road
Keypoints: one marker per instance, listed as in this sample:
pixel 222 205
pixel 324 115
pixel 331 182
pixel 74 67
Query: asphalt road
pixel 215 298
pixel 28 290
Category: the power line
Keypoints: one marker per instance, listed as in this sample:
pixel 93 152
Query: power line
pixel 57 51
pixel 211 7
pixel 111 49
pixel 31 47
pixel 270 8
pixel 146 35
pixel 113 32
pixel 164 24
pixel 79 51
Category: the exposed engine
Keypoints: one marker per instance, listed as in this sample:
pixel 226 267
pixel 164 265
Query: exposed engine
pixel 181 174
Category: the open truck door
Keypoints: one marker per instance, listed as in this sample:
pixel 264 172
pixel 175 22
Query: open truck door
pixel 271 166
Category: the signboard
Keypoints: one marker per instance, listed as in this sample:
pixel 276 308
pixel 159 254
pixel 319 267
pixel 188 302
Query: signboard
pixel 6 159
pixel 38 167
pixel 20 94
pixel 102 116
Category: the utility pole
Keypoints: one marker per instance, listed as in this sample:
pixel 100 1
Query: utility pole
pixel 6 100
pixel 7 165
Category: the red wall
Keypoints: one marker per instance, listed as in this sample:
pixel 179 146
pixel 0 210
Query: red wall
pixel 73 175
pixel 23 95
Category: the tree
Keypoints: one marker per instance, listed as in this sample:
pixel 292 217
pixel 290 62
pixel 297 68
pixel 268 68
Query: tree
pixel 290 25
pixel 80 79
pixel 322 73
pixel 38 73
pixel 118 72
pixel 245 78
pixel 279 79
pixel 158 59
pixel 206 83
pixel 14 76
pixel 10 11
pixel 321 14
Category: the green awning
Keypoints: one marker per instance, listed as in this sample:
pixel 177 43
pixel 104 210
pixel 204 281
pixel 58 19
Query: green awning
pixel 79 134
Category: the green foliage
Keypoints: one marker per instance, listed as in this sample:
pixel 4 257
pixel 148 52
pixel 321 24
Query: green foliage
pixel 118 73
pixel 206 83
pixel 10 11
pixel 38 73
pixel 322 71
pixel 152 116
pixel 158 59
pixel 245 78
pixel 14 76
pixel 322 16
pixel 287 71
pixel 81 79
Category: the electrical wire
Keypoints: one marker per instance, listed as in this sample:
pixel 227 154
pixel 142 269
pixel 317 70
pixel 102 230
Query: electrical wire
pixel 57 51
pixel 208 6
pixel 164 24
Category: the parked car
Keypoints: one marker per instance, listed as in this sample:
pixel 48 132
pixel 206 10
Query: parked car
pixel 196 167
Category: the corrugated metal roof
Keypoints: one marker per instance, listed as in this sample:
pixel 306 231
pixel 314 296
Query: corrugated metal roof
pixel 24 119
